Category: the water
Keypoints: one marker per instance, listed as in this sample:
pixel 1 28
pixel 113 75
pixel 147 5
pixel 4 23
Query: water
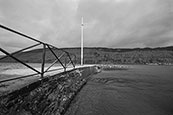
pixel 140 90
pixel 9 70
pixel 15 70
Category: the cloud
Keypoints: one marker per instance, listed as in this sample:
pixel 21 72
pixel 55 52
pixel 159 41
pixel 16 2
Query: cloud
pixel 125 23
pixel 109 23
pixel 48 21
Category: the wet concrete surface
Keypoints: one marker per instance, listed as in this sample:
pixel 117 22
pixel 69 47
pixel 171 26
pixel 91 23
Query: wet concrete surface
pixel 140 90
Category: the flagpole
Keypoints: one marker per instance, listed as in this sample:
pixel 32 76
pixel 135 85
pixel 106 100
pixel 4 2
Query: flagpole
pixel 82 36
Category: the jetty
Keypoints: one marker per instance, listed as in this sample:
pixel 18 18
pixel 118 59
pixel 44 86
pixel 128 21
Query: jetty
pixel 43 90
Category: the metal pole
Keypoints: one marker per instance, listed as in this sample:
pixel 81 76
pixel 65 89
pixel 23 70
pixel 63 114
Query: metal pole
pixel 54 62
pixel 71 60
pixel 19 33
pixel 31 38
pixel 40 42
pixel 51 65
pixel 43 60
pixel 65 61
pixel 21 50
pixel 82 26
pixel 56 57
pixel 19 60
pixel 31 75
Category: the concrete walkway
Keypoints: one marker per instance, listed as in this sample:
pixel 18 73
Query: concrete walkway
pixel 9 86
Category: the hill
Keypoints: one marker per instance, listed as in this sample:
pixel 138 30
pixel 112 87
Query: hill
pixel 101 55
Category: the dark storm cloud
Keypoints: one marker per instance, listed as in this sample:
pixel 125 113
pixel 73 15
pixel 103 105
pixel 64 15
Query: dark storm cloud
pixel 109 23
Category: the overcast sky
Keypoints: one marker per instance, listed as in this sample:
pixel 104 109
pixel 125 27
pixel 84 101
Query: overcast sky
pixel 108 23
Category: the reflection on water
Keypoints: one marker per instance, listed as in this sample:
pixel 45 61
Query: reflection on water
pixel 141 90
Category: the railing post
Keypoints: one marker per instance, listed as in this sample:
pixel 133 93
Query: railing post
pixel 65 61
pixel 71 60
pixel 56 57
pixel 43 61
pixel 45 45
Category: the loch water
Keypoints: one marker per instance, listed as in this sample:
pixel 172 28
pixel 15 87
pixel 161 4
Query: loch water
pixel 139 90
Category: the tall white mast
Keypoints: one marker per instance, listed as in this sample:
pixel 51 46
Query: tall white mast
pixel 82 36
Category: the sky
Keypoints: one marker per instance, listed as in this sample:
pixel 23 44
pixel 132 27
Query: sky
pixel 107 23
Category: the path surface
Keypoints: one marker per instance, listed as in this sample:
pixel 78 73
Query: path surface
pixel 9 72
pixel 138 91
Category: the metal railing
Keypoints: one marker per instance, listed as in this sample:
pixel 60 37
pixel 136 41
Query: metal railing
pixel 69 58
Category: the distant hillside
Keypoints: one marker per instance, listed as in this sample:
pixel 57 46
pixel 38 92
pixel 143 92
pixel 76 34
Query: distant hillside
pixel 100 55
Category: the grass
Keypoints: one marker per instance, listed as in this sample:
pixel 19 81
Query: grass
pixel 99 55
